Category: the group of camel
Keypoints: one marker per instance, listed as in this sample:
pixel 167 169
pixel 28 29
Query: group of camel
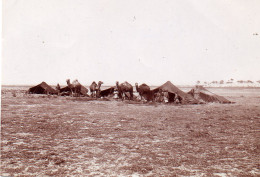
pixel 124 90
pixel 95 89
pixel 75 88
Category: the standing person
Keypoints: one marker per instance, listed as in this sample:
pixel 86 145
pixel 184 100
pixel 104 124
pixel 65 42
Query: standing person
pixel 161 95
pixel 58 88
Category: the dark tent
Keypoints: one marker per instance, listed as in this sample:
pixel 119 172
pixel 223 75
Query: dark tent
pixel 42 88
pixel 107 92
pixel 65 89
pixel 202 94
pixel 172 90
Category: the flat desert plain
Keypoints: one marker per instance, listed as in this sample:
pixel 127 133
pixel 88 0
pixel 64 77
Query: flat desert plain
pixel 45 135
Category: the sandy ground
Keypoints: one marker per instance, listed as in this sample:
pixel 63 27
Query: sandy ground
pixel 61 136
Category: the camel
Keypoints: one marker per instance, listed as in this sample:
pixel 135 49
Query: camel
pixel 159 96
pixel 179 98
pixel 93 88
pixel 98 90
pixel 69 85
pixel 75 87
pixel 124 88
pixel 143 90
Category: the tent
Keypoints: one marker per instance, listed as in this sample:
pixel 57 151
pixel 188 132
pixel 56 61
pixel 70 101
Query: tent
pixel 42 88
pixel 173 90
pixel 107 92
pixel 202 94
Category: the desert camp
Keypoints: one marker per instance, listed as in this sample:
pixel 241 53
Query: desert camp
pixel 166 93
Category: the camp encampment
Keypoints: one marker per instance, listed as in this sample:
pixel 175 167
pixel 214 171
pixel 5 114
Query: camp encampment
pixel 173 91
pixel 42 88
pixel 202 94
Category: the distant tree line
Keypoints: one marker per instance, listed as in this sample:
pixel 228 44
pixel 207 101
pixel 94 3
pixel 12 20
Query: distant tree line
pixel 230 81
pixel 248 81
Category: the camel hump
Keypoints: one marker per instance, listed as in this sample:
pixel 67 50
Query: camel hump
pixel 127 84
pixel 76 82
pixel 94 83
pixel 144 87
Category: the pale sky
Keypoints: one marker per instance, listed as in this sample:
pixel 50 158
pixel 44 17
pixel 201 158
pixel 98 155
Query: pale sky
pixel 148 41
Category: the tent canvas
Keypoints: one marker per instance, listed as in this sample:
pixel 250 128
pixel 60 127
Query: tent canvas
pixel 42 88
pixel 65 89
pixel 201 93
pixel 107 92
pixel 172 89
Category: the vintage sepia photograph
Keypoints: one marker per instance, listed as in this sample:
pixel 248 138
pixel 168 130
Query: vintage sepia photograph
pixel 130 88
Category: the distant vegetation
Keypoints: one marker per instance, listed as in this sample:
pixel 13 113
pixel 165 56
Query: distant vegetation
pixel 248 81
pixel 229 82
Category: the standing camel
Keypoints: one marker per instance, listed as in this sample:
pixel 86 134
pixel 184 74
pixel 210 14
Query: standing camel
pixel 70 86
pixel 143 90
pixel 93 88
pixel 75 87
pixel 124 88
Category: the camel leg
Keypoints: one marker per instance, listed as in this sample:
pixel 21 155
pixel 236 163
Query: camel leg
pixel 71 92
pixel 131 96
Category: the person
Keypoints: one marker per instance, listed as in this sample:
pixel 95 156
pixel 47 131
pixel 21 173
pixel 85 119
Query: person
pixel 179 98
pixel 161 95
pixel 165 97
pixel 58 88
pixel 157 96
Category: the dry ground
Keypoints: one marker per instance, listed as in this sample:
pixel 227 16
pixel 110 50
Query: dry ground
pixel 61 136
